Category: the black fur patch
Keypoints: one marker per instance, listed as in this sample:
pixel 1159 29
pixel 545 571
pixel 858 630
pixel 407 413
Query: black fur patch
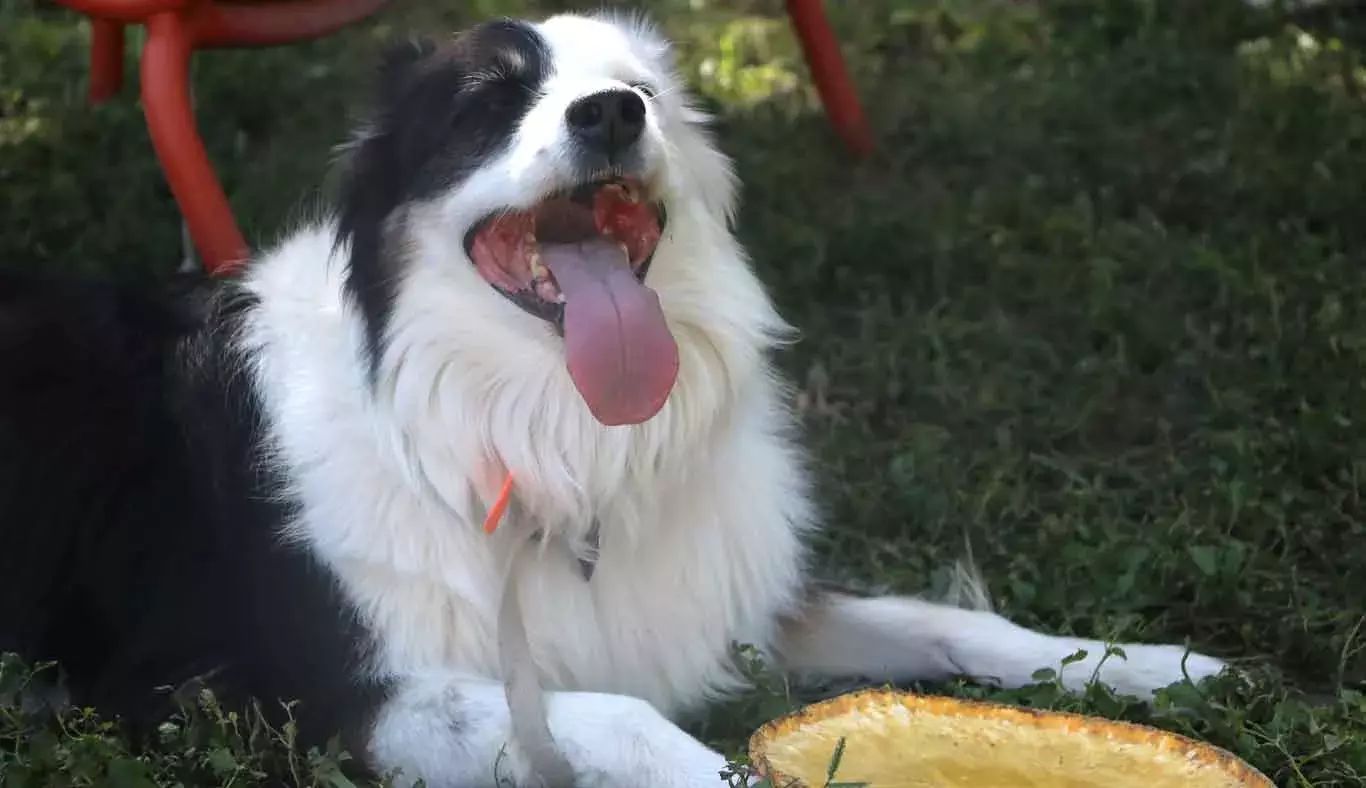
pixel 441 111
pixel 139 521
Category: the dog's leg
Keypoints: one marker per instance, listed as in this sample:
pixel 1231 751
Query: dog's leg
pixel 455 733
pixel 908 639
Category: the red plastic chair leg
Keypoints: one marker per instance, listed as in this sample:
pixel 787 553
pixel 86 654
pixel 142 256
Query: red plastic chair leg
pixel 171 122
pixel 828 72
pixel 106 59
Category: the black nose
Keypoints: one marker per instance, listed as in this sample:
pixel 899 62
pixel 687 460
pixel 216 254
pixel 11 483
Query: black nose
pixel 609 122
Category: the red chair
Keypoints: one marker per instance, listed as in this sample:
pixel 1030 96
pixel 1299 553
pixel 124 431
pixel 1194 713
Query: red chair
pixel 823 57
pixel 177 28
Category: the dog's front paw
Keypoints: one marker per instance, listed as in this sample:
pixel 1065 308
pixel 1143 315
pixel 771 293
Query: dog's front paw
pixel 1145 669
pixel 614 741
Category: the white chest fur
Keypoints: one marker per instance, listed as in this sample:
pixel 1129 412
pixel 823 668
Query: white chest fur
pixel 656 621
pixel 701 511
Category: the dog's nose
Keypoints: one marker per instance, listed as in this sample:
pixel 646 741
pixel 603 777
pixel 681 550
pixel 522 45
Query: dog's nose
pixel 609 122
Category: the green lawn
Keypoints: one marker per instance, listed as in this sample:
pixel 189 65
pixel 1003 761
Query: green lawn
pixel 1096 313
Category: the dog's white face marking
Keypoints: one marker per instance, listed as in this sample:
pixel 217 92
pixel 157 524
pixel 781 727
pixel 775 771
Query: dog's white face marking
pixel 588 56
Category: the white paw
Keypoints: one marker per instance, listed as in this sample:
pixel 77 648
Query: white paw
pixel 660 775
pixel 1145 669
pixel 615 741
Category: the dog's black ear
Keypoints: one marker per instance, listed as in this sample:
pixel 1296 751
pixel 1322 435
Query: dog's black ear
pixel 397 64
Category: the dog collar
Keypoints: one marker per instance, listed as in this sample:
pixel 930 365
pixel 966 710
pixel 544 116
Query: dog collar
pixel 588 560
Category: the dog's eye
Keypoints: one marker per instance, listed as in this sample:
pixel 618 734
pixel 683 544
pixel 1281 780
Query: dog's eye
pixel 497 91
pixel 645 88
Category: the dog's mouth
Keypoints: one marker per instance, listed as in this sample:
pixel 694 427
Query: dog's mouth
pixel 578 260
pixel 506 247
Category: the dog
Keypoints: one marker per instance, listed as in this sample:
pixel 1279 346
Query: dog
pixel 523 358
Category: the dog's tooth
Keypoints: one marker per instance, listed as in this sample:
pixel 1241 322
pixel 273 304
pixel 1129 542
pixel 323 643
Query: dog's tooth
pixel 547 291
pixel 538 270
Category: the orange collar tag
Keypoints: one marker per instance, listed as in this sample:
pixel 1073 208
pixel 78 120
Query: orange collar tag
pixel 500 506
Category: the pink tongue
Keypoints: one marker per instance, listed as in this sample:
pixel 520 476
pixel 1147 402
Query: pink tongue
pixel 618 348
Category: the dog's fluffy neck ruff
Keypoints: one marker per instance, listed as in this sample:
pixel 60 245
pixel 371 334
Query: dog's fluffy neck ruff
pixel 396 471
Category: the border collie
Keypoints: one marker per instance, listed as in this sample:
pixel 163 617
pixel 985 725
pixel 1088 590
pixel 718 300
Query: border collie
pixel 528 299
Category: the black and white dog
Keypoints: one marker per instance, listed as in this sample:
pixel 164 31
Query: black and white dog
pixel 279 480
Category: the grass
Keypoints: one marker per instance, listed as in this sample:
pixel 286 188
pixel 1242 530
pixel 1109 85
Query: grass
pixel 1094 312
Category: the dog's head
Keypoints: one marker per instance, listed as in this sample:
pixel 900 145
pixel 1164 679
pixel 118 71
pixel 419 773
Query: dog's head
pixel 535 180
